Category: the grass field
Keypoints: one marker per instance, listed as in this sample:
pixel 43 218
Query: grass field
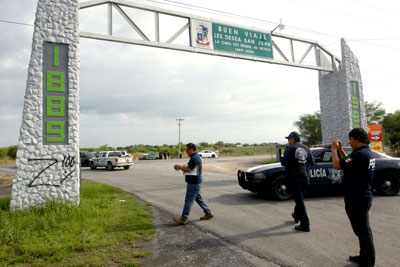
pixel 107 228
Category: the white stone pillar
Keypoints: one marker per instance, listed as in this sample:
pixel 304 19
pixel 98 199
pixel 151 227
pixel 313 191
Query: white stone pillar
pixel 341 98
pixel 48 166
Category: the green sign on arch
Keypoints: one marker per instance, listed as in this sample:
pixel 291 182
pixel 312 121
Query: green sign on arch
pixel 232 39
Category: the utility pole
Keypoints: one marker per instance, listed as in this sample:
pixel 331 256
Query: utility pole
pixel 179 137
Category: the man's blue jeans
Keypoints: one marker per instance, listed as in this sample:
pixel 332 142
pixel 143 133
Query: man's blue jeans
pixel 300 211
pixel 192 194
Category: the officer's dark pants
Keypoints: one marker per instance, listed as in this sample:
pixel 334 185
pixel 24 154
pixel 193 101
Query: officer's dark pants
pixel 358 214
pixel 300 211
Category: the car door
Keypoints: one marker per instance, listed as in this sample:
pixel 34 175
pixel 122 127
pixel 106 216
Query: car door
pixel 102 159
pixel 323 177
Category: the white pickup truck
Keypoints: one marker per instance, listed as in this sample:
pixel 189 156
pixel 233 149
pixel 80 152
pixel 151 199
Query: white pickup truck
pixel 111 160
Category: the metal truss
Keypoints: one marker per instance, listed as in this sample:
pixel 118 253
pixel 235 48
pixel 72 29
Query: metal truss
pixel 286 49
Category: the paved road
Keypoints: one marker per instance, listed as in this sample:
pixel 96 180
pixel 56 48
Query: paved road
pixel 262 227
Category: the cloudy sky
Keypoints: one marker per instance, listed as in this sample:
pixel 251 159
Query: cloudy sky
pixel 133 95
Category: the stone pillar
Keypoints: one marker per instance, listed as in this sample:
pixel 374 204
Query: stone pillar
pixel 341 98
pixel 48 166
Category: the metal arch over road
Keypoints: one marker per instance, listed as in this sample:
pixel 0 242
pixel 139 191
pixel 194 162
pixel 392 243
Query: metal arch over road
pixel 307 48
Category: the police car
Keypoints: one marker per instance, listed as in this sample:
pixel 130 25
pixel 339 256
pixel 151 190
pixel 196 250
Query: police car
pixel 324 178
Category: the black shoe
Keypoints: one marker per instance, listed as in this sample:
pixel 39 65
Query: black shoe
pixel 296 220
pixel 354 259
pixel 302 228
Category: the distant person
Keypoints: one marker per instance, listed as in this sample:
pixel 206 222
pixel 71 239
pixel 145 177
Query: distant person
pixel 358 168
pixel 312 144
pixel 159 155
pixel 193 179
pixel 168 155
pixel 165 155
pixel 297 160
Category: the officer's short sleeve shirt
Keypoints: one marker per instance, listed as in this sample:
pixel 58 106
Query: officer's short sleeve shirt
pixel 358 173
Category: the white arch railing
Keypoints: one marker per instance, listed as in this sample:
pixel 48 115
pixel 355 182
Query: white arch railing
pixel 285 48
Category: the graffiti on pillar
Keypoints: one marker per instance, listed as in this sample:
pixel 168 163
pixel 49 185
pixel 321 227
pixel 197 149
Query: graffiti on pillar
pixel 65 172
pixel 55 93
pixel 355 104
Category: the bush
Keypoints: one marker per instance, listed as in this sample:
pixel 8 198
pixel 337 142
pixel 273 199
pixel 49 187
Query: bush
pixel 228 150
pixel 12 152
pixel 3 153
pixel 249 152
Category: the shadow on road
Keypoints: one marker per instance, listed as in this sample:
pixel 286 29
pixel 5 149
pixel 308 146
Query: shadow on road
pixel 242 199
pixel 237 239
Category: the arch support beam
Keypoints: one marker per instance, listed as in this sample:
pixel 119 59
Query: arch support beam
pixel 341 98
pixel 48 166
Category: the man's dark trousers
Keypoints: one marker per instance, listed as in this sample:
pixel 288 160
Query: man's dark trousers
pixel 358 214
pixel 300 211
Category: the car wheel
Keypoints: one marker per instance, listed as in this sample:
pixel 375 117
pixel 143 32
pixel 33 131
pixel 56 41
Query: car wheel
pixel 388 184
pixel 213 156
pixel 280 189
pixel 126 167
pixel 92 166
pixel 110 167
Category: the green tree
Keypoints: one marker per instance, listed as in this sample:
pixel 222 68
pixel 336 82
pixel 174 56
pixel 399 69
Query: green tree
pixel 12 152
pixel 219 144
pixel 105 148
pixel 204 145
pixel 374 112
pixel 309 126
pixel 391 130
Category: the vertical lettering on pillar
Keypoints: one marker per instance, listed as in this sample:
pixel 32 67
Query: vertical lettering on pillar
pixel 55 93
pixel 355 104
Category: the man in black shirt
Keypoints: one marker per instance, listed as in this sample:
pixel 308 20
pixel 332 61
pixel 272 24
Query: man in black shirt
pixel 297 161
pixel 358 170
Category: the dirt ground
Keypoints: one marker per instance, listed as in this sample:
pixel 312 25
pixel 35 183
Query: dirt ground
pixel 177 245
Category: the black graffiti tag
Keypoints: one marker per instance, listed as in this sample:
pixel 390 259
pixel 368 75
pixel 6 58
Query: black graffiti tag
pixel 67 162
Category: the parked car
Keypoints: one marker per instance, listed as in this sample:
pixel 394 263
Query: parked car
pixel 271 178
pixel 111 160
pixel 208 154
pixel 147 157
pixel 85 157
pixel 126 154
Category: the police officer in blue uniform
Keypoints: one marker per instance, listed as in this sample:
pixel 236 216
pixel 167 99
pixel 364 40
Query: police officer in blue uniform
pixel 297 160
pixel 358 170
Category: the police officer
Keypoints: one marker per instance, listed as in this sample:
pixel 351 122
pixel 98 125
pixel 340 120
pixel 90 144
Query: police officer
pixel 297 160
pixel 358 170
